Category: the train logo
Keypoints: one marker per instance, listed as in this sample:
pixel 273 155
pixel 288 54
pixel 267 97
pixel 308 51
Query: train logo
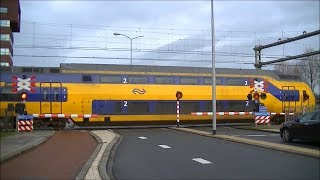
pixel 259 86
pixel 24 83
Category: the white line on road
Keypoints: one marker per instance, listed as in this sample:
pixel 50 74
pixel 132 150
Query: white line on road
pixel 257 135
pixel 202 161
pixel 165 146
pixel 142 137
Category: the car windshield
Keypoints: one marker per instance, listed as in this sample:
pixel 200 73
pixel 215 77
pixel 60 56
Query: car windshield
pixel 308 116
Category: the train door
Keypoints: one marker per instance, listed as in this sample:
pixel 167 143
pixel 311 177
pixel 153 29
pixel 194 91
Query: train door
pixel 51 97
pixel 289 96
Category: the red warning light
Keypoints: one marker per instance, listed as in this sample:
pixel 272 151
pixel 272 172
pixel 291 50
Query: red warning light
pixel 256 96
pixel 179 95
pixel 23 96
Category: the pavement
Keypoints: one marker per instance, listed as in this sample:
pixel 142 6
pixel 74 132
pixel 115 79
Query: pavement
pixel 95 168
pixel 271 128
pixel 16 144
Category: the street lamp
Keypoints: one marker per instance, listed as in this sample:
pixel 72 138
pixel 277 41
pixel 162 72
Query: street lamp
pixel 119 34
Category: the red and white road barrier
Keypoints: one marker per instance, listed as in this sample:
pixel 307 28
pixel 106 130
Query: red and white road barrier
pixel 234 113
pixel 178 113
pixel 65 115
pixel 221 113
pixel 24 123
pixel 25 128
pixel 262 119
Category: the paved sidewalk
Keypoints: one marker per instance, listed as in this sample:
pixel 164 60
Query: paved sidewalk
pixel 18 143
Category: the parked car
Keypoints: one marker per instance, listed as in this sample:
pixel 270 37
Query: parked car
pixel 305 127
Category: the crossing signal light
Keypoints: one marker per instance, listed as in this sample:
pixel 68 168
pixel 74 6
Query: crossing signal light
pixel 23 96
pixel 263 96
pixel 249 96
pixel 179 95
pixel 305 96
pixel 256 96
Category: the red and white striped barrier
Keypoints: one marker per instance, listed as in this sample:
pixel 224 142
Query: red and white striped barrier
pixel 65 115
pixel 221 113
pixel 234 113
pixel 262 119
pixel 24 123
pixel 25 128
pixel 178 113
pixel 273 113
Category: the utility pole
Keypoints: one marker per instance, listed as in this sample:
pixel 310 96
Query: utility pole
pixel 214 117
pixel 257 49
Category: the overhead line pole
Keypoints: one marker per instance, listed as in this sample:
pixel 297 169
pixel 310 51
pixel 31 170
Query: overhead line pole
pixel 260 47
pixel 214 117
pixel 257 49
pixel 291 57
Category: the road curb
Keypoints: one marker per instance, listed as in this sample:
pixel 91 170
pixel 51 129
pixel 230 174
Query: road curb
pixel 106 165
pixel 82 174
pixel 274 146
pixel 25 149
pixel 255 129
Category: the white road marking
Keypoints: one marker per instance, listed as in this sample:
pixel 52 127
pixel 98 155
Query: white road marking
pixel 202 161
pixel 142 137
pixel 165 146
pixel 257 135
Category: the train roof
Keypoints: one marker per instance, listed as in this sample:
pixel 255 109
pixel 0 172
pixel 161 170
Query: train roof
pixel 65 67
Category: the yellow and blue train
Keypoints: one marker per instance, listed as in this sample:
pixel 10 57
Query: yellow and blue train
pixel 117 94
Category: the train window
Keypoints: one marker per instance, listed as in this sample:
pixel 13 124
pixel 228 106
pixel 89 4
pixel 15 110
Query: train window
pixel 164 80
pixel 138 107
pixel 8 95
pixel 111 79
pixel 138 80
pixel 165 107
pixel 54 70
pixel 55 94
pixel 86 78
pixel 189 80
pixel 235 106
pixel 45 94
pixel 208 106
pixel 209 80
pixel 26 69
pixel 236 81
pixel 38 70
pixel 188 107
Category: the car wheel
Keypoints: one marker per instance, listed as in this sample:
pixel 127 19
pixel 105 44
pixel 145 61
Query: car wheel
pixel 286 135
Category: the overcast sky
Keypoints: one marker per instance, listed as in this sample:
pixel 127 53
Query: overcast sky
pixel 175 33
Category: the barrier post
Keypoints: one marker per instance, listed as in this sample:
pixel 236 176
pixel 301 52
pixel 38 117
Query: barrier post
pixel 178 113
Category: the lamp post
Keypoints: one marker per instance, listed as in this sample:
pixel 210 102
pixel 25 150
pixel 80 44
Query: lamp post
pixel 214 118
pixel 119 34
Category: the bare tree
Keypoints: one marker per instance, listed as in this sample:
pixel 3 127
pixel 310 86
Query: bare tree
pixel 286 68
pixel 309 69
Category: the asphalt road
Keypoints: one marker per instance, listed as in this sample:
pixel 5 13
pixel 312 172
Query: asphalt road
pixel 259 135
pixel 169 154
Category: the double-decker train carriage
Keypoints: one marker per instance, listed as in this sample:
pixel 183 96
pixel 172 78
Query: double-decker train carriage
pixel 117 94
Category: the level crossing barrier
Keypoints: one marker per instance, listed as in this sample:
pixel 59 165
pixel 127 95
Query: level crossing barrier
pixel 24 123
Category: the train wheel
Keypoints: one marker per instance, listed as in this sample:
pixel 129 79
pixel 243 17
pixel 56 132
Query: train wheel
pixel 59 124
pixel 286 135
